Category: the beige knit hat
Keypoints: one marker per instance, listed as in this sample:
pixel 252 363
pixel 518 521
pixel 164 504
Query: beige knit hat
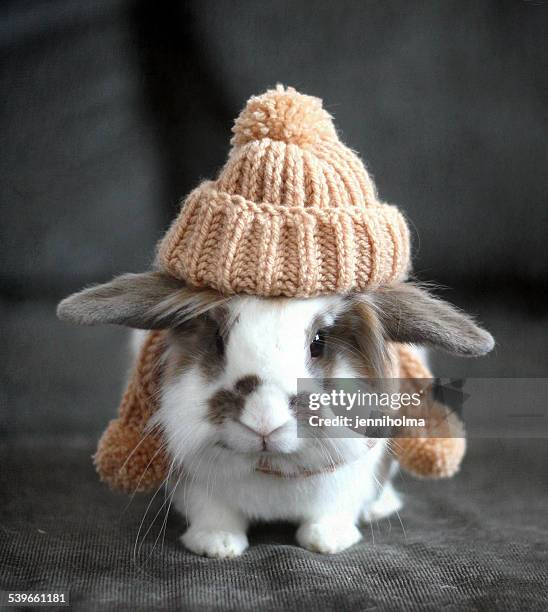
pixel 293 212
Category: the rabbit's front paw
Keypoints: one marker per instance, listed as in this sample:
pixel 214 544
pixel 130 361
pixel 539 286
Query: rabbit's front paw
pixel 215 543
pixel 327 538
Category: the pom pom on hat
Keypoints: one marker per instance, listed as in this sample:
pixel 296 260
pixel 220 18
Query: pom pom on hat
pixel 293 211
pixel 431 457
pixel 285 115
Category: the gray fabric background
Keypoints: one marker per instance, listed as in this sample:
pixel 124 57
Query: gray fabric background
pixel 111 110
pixel 477 542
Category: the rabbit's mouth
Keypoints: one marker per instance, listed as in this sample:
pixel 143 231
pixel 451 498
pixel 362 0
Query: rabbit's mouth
pixel 260 455
pixel 283 465
pixel 265 466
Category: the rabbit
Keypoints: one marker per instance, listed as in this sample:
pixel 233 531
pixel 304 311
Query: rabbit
pixel 230 405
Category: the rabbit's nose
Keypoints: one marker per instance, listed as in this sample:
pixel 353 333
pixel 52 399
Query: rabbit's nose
pixel 280 439
pixel 262 431
pixel 266 414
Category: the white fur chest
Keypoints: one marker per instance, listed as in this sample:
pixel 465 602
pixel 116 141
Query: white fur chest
pixel 265 497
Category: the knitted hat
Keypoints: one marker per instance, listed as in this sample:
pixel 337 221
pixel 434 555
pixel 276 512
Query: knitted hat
pixel 293 212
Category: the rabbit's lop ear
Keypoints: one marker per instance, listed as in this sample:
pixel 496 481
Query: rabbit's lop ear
pixel 151 300
pixel 410 315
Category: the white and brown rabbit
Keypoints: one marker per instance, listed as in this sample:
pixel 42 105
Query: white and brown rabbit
pixel 230 404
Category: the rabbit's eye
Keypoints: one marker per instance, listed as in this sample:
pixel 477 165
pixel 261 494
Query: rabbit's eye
pixel 219 343
pixel 318 344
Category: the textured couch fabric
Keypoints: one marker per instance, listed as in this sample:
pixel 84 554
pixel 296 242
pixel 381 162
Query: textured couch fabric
pixel 477 542
pixel 112 111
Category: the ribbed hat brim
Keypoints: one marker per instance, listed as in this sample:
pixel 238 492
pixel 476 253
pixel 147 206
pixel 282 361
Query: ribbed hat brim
pixel 234 245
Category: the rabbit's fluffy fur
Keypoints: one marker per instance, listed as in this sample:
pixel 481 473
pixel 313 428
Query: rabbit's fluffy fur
pixel 219 490
pixel 229 403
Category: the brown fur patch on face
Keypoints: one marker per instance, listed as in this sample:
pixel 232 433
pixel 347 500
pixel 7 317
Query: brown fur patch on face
pixel 197 341
pixel 223 405
pixel 358 335
pixel 228 404
pixel 247 384
pixel 361 326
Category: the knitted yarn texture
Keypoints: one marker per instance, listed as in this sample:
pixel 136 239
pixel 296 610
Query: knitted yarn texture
pixel 293 212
